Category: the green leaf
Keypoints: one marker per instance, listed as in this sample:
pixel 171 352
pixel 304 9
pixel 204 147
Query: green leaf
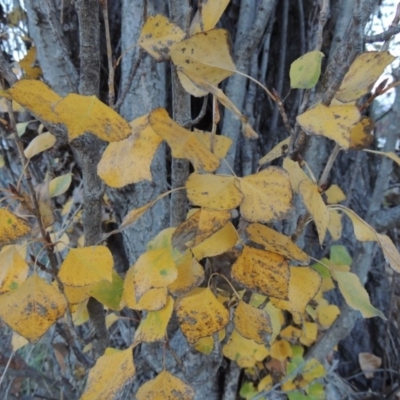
pixel 248 391
pixel 355 294
pixel 306 70
pixel 340 256
pixel 60 184
pixel 109 293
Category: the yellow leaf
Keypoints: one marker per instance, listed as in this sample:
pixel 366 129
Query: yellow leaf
pixel 190 276
pixel 267 195
pixel 221 143
pixel 207 15
pixel 39 144
pixel 86 265
pixel 334 195
pixel 195 83
pixel 363 231
pixel 128 161
pixel 80 315
pixel 218 243
pixel 312 370
pixel 33 308
pixel 316 207
pixel 60 185
pixel 281 350
pixel 205 345
pixel 108 293
pixel 355 294
pixel 18 341
pixel 278 151
pixel 165 387
pixel 134 215
pixel 363 73
pixel 154 269
pixel 83 114
pixel 276 242
pixel 304 284
pixel 390 251
pixel 335 122
pixel 12 227
pixel 198 227
pixel 200 314
pixel 245 352
pixel 296 174
pixel 36 97
pixel 154 326
pixel 110 374
pixel 369 363
pixel 213 191
pixel 361 135
pixel 327 314
pixel 309 333
pixel 252 323
pixel 77 294
pixel 265 384
pixel 13 269
pixel 205 54
pixel 111 319
pixel 28 65
pixel 183 143
pixel 157 36
pixel 262 271
pixel 290 333
pixel 45 205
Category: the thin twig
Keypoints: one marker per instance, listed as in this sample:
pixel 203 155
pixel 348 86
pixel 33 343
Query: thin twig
pixel 328 166
pixel 111 70
pixel 323 17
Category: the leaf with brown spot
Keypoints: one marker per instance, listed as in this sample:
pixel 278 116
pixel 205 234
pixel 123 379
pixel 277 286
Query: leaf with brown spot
pixel 262 271
pixel 12 227
pixel 213 191
pixel 276 242
pixel 334 122
pixel 267 195
pixel 33 308
pixel 361 135
pixel 198 227
pixel 200 314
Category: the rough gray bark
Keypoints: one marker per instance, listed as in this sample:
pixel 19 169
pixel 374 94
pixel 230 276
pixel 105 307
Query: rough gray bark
pixel 146 92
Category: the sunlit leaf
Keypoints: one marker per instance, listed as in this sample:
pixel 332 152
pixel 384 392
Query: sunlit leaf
pixel 165 387
pixel 207 15
pixel 206 54
pixel 290 333
pixel 183 143
pixel 267 195
pixel 276 242
pixel 157 36
pixel 335 122
pixel 112 371
pixel 306 70
pixel 252 323
pixel 327 315
pixel 198 227
pixel 309 333
pixel 245 352
pixel 221 143
pixel 12 227
pixel 77 294
pixel 361 135
pixel 13 269
pixel 86 265
pixel 39 144
pixel 28 64
pixel 363 73
pixel 334 195
pixel 262 271
pixel 200 314
pixel 33 308
pixel 154 326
